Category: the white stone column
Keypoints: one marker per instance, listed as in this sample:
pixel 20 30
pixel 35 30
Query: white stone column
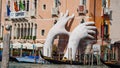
pixel 25 26
pixel 23 30
pixel 20 31
pixel 16 31
pixel 33 31
pixel 30 29
pixel 26 30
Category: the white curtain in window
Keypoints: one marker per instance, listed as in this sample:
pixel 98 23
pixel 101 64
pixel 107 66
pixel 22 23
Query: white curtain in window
pixel 81 2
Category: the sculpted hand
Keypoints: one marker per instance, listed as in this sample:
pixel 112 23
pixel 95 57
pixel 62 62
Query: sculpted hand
pixel 58 28
pixel 80 32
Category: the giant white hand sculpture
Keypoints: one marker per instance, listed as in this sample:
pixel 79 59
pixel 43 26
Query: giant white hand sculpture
pixel 58 28
pixel 81 31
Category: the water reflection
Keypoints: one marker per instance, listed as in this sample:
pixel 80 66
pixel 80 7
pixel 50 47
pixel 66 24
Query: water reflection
pixel 29 65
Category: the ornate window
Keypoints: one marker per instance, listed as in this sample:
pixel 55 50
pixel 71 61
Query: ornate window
pixel 56 3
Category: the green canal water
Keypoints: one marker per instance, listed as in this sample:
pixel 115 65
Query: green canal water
pixel 30 65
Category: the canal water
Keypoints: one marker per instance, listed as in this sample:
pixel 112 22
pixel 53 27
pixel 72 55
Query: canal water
pixel 31 65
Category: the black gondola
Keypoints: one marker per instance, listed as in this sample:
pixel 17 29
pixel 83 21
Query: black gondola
pixel 111 64
pixel 54 61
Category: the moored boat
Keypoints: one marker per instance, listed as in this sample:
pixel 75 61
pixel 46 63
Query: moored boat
pixel 111 64
pixel 28 59
pixel 55 61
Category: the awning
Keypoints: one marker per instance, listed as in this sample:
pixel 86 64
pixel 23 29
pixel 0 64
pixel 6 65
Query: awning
pixel 17 45
pixel 27 46
pixel 39 45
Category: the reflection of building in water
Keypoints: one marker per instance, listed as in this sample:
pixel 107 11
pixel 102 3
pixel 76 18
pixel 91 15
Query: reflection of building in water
pixel 32 19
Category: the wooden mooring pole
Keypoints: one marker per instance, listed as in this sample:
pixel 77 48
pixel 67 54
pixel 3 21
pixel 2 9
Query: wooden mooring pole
pixel 6 46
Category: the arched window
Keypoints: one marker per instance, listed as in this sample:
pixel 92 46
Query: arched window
pixel 42 32
pixel 44 6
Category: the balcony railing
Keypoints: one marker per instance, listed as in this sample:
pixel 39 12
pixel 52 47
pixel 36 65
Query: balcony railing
pixel 22 14
pixel 19 14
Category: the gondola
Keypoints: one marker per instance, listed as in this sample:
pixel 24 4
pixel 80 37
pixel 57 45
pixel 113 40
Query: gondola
pixel 110 64
pixel 54 61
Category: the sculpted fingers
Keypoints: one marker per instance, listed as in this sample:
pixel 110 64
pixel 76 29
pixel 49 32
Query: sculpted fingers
pixel 70 17
pixel 89 23
pixel 61 14
pixel 91 31
pixel 66 14
pixel 90 36
pixel 91 27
